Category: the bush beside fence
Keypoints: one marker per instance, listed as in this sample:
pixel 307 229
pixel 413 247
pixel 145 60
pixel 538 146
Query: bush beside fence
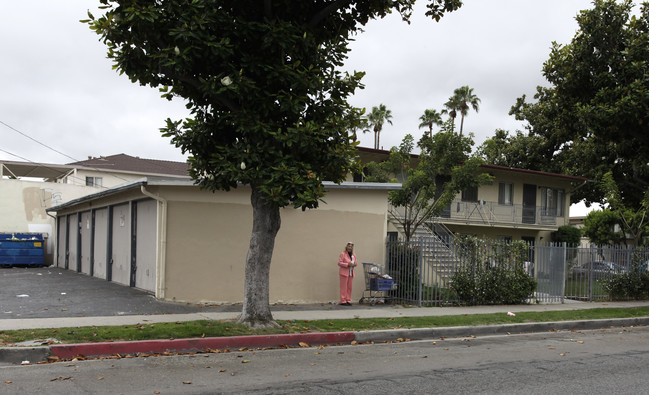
pixel 466 271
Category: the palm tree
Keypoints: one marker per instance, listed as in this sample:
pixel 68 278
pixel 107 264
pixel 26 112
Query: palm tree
pixel 430 118
pixel 462 99
pixel 376 119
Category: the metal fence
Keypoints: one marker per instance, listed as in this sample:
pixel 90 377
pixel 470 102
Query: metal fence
pixel 423 269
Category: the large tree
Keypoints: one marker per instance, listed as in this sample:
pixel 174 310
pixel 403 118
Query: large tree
pixel 519 150
pixel 430 118
pixel 269 106
pixel 462 100
pixel 444 168
pixel 594 116
pixel 376 119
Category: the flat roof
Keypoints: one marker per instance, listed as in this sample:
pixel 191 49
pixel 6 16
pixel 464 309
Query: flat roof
pixel 186 182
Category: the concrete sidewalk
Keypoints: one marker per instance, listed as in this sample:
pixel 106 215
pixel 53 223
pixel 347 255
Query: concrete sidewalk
pixel 316 312
pixel 20 354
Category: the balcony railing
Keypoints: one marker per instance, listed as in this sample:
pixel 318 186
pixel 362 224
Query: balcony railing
pixel 492 213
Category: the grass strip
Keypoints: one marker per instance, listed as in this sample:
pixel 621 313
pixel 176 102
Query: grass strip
pixel 207 328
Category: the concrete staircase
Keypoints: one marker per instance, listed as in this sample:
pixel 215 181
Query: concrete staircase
pixel 439 258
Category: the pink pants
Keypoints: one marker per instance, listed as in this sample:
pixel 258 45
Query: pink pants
pixel 346 289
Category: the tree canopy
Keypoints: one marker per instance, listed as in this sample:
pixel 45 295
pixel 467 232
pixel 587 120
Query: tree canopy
pixel 268 104
pixel 518 150
pixel 594 116
pixel 376 119
pixel 444 168
pixel 462 99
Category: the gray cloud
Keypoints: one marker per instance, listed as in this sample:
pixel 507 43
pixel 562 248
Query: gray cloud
pixel 58 87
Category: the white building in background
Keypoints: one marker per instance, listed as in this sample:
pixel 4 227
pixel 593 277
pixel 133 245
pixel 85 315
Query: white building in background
pixel 27 189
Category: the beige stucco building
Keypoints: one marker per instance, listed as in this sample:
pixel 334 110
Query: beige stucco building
pixel 518 205
pixel 182 243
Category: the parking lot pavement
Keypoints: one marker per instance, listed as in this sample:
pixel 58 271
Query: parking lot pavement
pixel 49 292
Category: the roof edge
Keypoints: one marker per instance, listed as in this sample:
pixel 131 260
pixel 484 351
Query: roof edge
pixel 187 182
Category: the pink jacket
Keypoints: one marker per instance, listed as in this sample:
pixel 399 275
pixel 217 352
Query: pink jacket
pixel 343 262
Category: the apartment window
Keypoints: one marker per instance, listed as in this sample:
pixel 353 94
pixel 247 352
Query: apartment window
pixel 93 181
pixel 506 193
pixel 552 202
pixel 470 194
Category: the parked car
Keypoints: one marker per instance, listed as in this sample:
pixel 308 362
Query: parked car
pixel 598 268
pixel 644 266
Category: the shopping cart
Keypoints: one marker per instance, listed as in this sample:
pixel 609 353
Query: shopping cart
pixel 376 284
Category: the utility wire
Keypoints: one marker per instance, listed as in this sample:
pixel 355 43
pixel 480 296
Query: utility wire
pixel 81 180
pixel 157 162
pixel 33 139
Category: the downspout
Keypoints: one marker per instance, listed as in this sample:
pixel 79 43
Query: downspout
pixel 161 255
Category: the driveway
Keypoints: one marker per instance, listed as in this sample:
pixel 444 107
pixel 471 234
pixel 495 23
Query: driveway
pixel 52 292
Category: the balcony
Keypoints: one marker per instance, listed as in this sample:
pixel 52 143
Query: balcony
pixel 494 214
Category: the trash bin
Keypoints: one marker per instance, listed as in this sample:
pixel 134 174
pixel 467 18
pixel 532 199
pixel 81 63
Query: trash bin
pixel 22 249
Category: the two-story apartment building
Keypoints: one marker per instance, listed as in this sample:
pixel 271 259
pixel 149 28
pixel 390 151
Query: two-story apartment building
pixel 519 204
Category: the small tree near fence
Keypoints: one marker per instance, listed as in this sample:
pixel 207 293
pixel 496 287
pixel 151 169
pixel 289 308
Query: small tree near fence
pixel 492 273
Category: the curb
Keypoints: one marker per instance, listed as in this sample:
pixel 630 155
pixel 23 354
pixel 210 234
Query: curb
pixel 16 355
pixel 486 330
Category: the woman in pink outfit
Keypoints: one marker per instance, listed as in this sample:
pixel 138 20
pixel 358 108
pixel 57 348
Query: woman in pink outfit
pixel 346 262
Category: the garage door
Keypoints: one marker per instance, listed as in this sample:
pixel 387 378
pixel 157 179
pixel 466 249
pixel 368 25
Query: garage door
pixel 101 243
pixel 73 237
pixel 86 238
pixel 62 241
pixel 121 244
pixel 146 240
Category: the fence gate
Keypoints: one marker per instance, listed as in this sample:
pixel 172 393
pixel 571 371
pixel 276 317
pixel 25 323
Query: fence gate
pixel 550 272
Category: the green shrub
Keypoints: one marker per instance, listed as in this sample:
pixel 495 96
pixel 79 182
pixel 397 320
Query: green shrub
pixel 625 286
pixel 494 275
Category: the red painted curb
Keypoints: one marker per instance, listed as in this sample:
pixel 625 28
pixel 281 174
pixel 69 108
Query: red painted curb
pixel 198 344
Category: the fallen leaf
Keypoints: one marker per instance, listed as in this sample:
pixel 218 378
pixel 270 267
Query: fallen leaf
pixel 8 381
pixel 354 342
pixel 245 361
pixel 287 374
pixel 434 343
pixel 222 370
pixel 100 378
pixel 562 354
pixel 303 344
pixel 580 341
pixel 187 382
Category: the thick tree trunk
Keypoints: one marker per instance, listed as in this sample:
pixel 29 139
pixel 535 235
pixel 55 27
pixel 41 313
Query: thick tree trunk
pixel 265 225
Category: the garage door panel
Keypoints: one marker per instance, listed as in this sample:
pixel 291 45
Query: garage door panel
pixel 101 243
pixel 146 241
pixel 121 245
pixel 86 236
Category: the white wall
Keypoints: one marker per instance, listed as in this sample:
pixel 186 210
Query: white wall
pixel 23 205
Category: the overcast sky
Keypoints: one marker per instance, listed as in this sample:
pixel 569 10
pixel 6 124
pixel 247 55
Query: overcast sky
pixel 59 89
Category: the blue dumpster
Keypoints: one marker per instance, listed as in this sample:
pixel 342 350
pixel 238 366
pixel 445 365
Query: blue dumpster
pixel 23 249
